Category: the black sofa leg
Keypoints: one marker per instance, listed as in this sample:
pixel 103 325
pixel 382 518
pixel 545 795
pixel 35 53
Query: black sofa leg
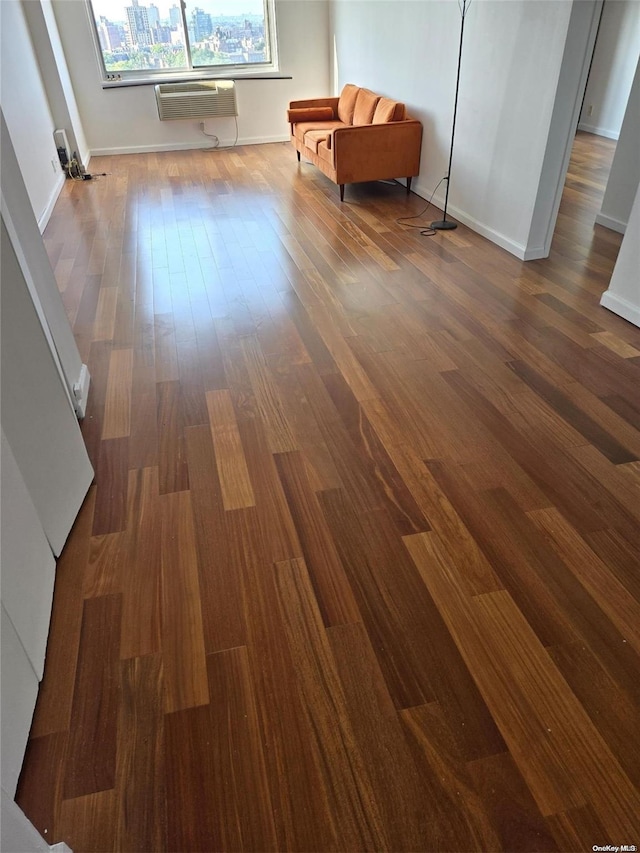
pixel 409 185
pixel 341 192
pixel 298 153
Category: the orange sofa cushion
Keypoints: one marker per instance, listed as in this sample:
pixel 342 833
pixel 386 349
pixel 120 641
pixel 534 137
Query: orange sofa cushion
pixel 303 127
pixel 347 103
pixel 313 137
pixel 324 152
pixel 310 114
pixel 366 103
pixel 388 110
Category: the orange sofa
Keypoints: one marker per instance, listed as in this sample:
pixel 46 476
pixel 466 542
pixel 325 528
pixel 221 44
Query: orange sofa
pixel 359 136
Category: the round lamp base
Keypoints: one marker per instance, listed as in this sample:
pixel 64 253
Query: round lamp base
pixel 443 225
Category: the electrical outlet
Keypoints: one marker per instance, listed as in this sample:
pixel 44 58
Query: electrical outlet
pixel 55 165
pixel 590 110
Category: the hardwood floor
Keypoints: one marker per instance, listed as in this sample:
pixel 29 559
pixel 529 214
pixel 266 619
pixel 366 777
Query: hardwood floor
pixel 359 569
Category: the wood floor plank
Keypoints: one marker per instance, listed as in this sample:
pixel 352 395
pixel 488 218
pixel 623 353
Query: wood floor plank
pixel 406 781
pixel 141 579
pixel 301 796
pixel 556 747
pixel 608 705
pixel 357 813
pixel 140 763
pixel 384 478
pixel 237 491
pixel 575 829
pixel 105 566
pixel 308 436
pixel 39 793
pixel 333 593
pixel 183 654
pixel 614 343
pixel 279 433
pixel 570 492
pixel 385 591
pixel 173 469
pixel 432 740
pixel 110 513
pixel 607 445
pixel 509 803
pixel 91 757
pixel 203 791
pixel 104 324
pixel 117 410
pixel 611 596
pixel 87 823
pixel 221 590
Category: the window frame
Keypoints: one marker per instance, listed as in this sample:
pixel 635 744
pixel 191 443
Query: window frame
pixel 253 70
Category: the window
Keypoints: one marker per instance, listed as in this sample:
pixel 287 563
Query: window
pixel 139 39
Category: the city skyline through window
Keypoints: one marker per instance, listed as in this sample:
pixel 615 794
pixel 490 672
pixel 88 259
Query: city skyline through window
pixel 145 36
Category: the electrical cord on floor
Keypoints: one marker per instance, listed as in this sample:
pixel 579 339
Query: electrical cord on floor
pixel 424 231
pixel 216 141
pixel 73 171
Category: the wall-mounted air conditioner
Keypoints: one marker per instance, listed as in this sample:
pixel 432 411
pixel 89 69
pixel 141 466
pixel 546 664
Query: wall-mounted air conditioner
pixel 196 100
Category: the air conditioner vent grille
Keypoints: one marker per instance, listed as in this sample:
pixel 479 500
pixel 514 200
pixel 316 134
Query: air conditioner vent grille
pixel 196 100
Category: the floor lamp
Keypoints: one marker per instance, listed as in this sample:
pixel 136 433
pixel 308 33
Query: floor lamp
pixel 445 224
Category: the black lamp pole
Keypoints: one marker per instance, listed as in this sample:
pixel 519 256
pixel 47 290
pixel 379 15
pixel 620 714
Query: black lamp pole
pixel 445 224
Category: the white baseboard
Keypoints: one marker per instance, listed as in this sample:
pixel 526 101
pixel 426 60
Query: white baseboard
pixel 81 392
pixel 475 225
pixel 610 222
pixel 535 254
pixel 599 131
pixel 621 306
pixel 185 146
pixel 46 215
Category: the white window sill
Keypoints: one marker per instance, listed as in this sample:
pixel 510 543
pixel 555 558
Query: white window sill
pixel 185 76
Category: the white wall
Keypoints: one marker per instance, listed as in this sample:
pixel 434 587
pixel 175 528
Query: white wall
pixel 18 835
pixel 578 50
pixel 625 168
pixel 125 120
pixel 37 417
pixel 623 294
pixel 614 63
pixel 55 75
pixel 28 566
pixel 511 64
pixel 18 696
pixel 36 267
pixel 27 113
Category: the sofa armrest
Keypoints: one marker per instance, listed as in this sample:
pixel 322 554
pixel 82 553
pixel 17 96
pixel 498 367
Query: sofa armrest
pixel 316 102
pixel 370 152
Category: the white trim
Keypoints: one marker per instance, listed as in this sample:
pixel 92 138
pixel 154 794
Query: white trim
pixel 46 215
pixel 81 392
pixel 573 103
pixel 620 306
pixel 185 146
pixel 60 847
pixel 534 254
pixel 609 222
pixel 599 131
pixel 33 293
